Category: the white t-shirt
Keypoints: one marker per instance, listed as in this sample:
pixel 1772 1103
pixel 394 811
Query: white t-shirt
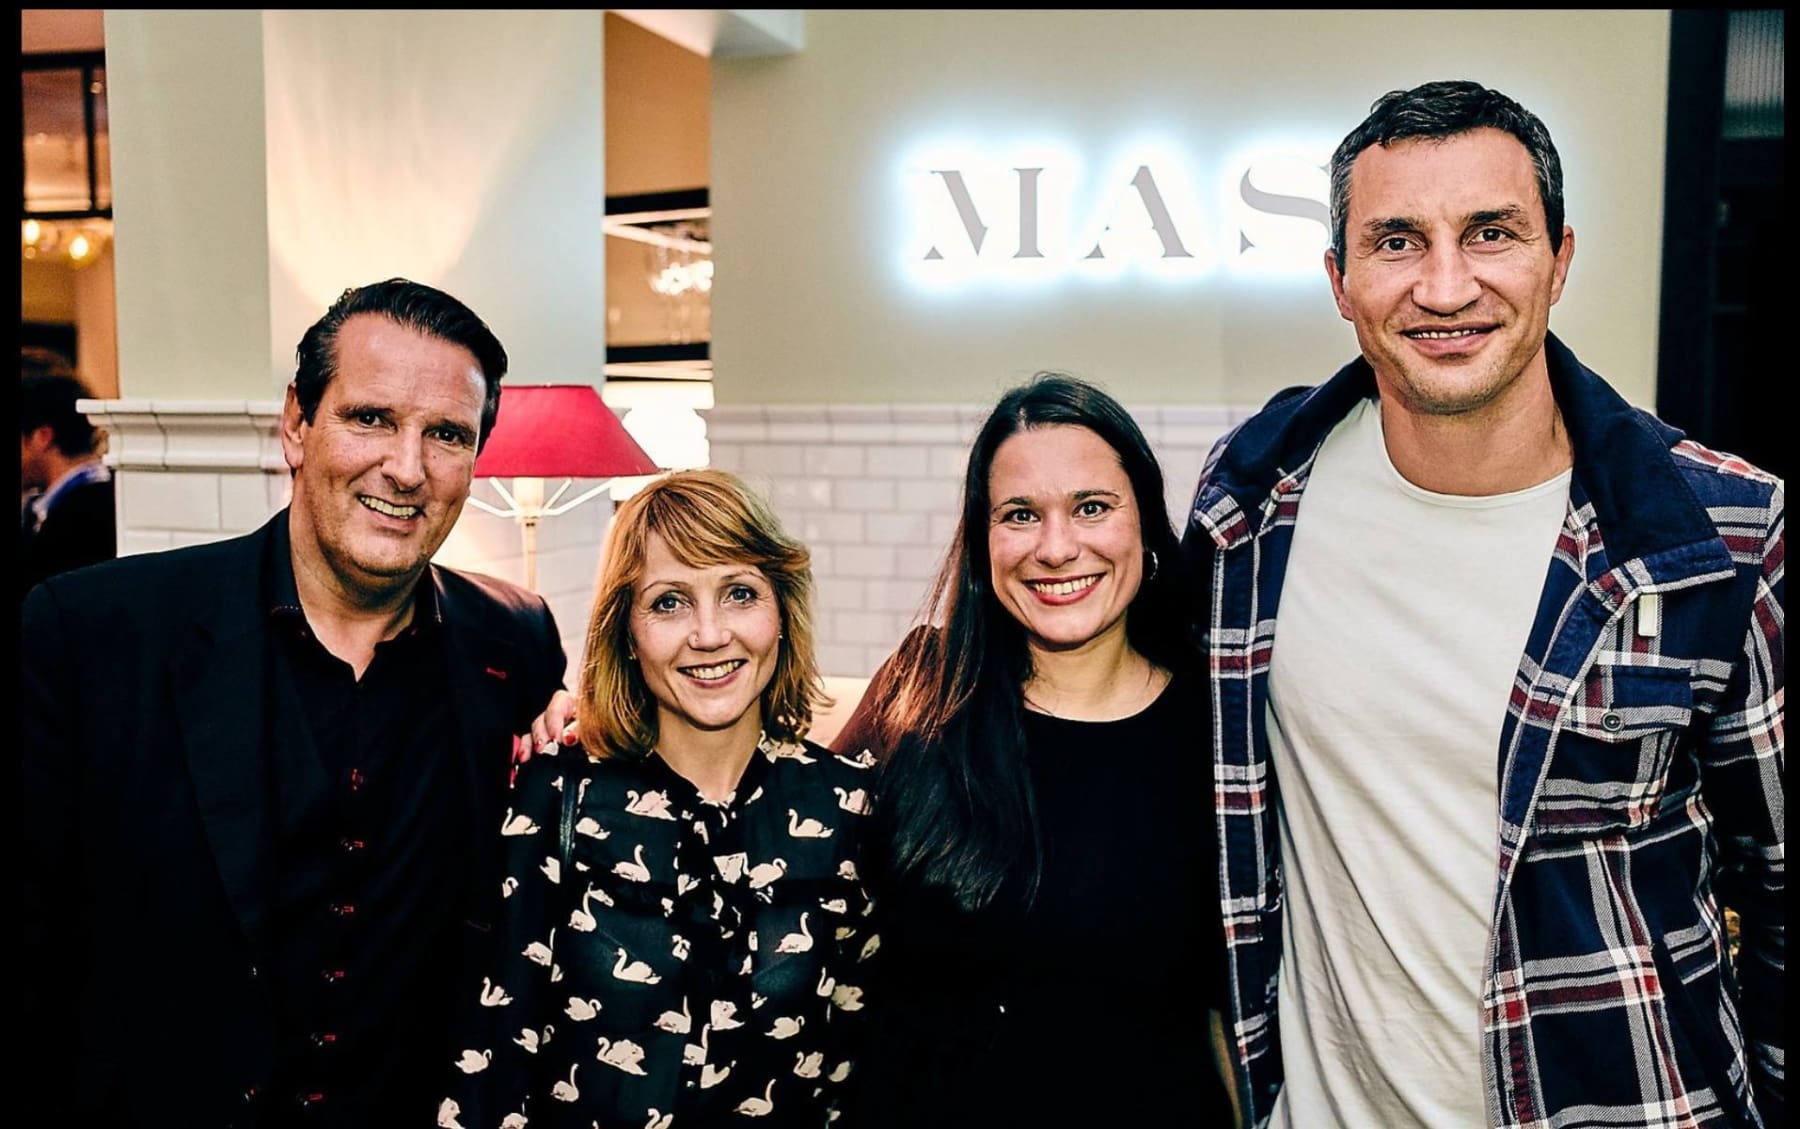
pixel 1403 617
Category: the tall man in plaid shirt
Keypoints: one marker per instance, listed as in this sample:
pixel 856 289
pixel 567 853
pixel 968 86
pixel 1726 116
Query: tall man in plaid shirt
pixel 1498 690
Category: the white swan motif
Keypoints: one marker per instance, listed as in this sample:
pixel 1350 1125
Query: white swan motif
pixel 764 873
pixel 474 1062
pixel 684 883
pixel 582 1010
pixel 847 997
pixel 693 1054
pixel 659 1120
pixel 787 1026
pixel 731 866
pixel 797 942
pixel 870 947
pixel 580 919
pixel 513 1121
pixel 809 1065
pixel 855 800
pixel 448 1112
pixel 532 1040
pixel 806 828
pixel 840 1072
pixel 636 971
pixel 847 869
pixel 676 1024
pixel 589 826
pixel 826 983
pixel 520 824
pixel 652 804
pixel 679 947
pixel 864 759
pixel 508 886
pixel 756 1000
pixel 724 1016
pixel 834 905
pixel 711 1075
pixel 493 995
pixel 540 953
pixel 624 1055
pixel 552 868
pixel 633 871
pixel 757 1107
pixel 795 752
pixel 566 1091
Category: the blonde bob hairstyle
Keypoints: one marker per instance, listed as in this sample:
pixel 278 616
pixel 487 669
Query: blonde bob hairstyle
pixel 707 518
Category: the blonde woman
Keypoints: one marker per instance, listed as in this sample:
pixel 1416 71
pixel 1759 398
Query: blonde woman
pixel 682 912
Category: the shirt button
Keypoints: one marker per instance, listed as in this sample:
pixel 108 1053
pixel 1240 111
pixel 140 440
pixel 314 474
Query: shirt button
pixel 333 975
pixel 323 1039
pixel 351 846
pixel 343 909
pixel 1611 721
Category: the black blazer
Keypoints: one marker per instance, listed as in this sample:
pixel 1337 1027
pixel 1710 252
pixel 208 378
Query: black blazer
pixel 79 530
pixel 144 814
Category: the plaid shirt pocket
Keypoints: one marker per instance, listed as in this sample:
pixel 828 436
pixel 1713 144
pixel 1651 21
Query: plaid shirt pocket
pixel 1609 766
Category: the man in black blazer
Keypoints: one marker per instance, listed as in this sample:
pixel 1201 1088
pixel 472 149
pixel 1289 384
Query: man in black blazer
pixel 69 520
pixel 263 779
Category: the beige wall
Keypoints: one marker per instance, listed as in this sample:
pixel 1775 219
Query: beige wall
pixel 810 156
pixel 658 112
pixel 184 100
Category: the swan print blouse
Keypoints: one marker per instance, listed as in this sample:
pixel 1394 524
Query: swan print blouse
pixel 688 966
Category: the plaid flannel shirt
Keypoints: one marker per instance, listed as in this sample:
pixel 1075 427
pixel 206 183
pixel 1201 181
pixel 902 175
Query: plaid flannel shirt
pixel 1641 772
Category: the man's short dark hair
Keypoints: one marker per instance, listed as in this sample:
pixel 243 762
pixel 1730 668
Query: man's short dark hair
pixel 47 399
pixel 418 307
pixel 1446 109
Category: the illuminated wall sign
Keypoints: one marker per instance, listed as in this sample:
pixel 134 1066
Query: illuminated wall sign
pixel 1045 216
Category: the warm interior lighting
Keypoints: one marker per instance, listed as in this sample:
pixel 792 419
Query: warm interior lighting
pixel 76 242
pixel 552 431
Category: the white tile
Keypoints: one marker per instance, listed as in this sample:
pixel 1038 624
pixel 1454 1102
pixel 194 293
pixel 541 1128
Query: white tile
pixel 772 459
pixel 896 529
pixel 929 495
pixel 244 501
pixel 864 627
pixel 916 563
pixel 865 494
pixel 839 594
pixel 725 456
pixel 830 527
pixel 795 495
pixel 943 528
pixel 841 659
pixel 906 596
pixel 136 541
pixel 861 432
pixel 824 561
pixel 859 413
pixel 944 432
pixel 186 501
pixel 949 461
pixel 928 413
pixel 898 461
pixel 866 560
pixel 834 460
pixel 808 431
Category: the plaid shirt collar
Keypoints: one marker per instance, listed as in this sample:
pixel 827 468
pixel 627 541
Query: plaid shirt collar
pixel 1621 460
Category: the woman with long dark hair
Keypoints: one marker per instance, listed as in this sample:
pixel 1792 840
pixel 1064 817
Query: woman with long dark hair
pixel 1043 860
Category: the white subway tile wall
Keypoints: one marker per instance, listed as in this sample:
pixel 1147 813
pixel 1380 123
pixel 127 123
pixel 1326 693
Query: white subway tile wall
pixel 874 490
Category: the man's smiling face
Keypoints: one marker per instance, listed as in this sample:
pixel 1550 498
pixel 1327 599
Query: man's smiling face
pixel 383 468
pixel 1448 273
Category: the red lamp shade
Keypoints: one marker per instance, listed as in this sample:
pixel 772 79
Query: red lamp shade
pixel 559 431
